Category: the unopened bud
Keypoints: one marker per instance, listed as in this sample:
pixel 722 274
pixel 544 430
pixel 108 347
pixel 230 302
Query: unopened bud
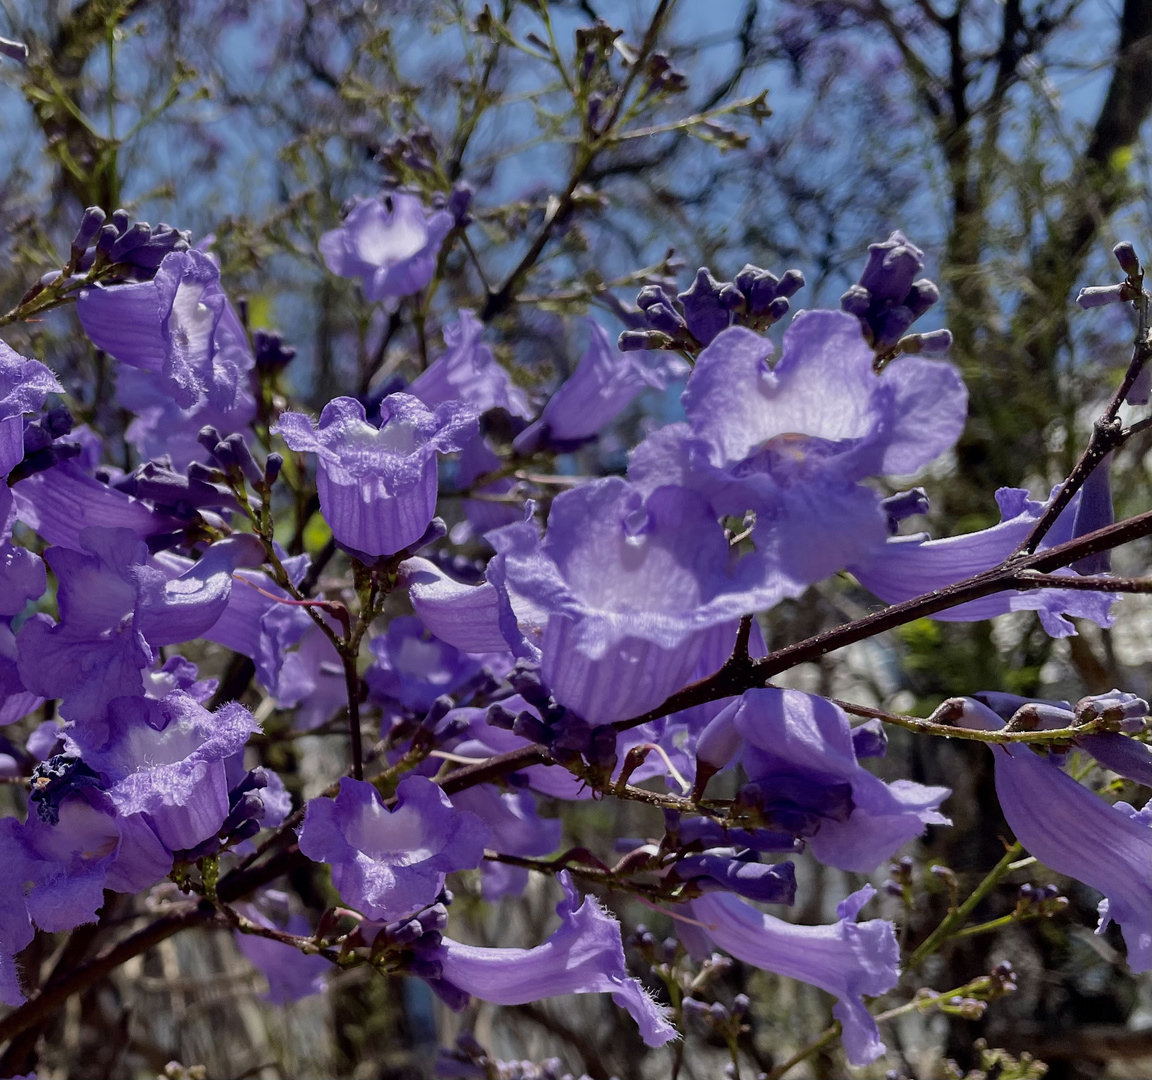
pixel 1126 256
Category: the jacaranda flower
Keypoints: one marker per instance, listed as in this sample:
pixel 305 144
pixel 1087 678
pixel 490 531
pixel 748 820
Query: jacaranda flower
pixel 377 485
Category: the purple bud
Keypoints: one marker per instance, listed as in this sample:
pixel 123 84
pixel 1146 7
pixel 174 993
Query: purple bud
pixel 892 266
pixel 530 727
pixel 90 225
pixel 638 340
pixel 856 301
pixel 138 234
pixel 666 319
pixel 272 466
pixel 459 200
pixel 933 343
pixel 271 353
pixel 778 308
pixel 209 438
pixel 731 298
pixel 121 220
pixel 1126 256
pixel 703 312
pixel 14 50
pixel 243 458
pixel 718 1014
pixel 1100 295
pixel 790 284
pixel 921 296
pixel 500 717
pixel 108 236
pixel 695 1007
pixel 441 707
pixel 650 295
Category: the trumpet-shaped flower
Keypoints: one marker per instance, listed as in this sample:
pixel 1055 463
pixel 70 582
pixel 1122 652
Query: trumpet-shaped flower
pixel 377 485
pixel 847 959
pixel 391 863
pixel 584 956
pixel 1073 831
pixel 390 245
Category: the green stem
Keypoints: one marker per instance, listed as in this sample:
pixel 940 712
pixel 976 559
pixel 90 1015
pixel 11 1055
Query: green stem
pixel 956 919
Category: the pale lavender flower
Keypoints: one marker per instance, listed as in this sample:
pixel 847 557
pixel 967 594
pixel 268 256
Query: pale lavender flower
pixel 847 959
pixel 1073 831
pixel 584 956
pixel 377 485
pixel 390 863
pixel 390 245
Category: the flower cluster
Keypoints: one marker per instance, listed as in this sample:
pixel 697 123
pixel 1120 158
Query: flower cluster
pixel 571 645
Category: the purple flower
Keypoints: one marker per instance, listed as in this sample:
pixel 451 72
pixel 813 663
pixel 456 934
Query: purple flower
pixel 61 861
pixel 390 863
pixel 621 593
pixel 160 427
pixel 907 566
pixel 1073 831
pixel 257 623
pixel 179 326
pixel 792 441
pixel 167 759
pixel 800 758
pixel 377 486
pixel 584 956
pixel 413 667
pixel 291 974
pixel 312 680
pixel 24 384
pixel 467 616
pixel 516 829
pixel 114 610
pixel 723 870
pixel 469 372
pixel 390 245
pixel 63 501
pixel 603 385
pixel 847 959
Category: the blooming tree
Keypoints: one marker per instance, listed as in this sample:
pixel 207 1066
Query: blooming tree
pixel 498 640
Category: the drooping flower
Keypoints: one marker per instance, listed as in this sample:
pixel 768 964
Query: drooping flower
pixel 603 385
pixel 469 372
pixel 115 609
pixel 792 441
pixel 24 384
pixel 178 326
pixel 390 245
pixel 291 974
pixel 1073 831
pixel 903 567
pixel 804 778
pixel 413 667
pixel 847 959
pixel 63 501
pixel 467 616
pixel 584 956
pixel 620 594
pixel 390 863
pixel 377 486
